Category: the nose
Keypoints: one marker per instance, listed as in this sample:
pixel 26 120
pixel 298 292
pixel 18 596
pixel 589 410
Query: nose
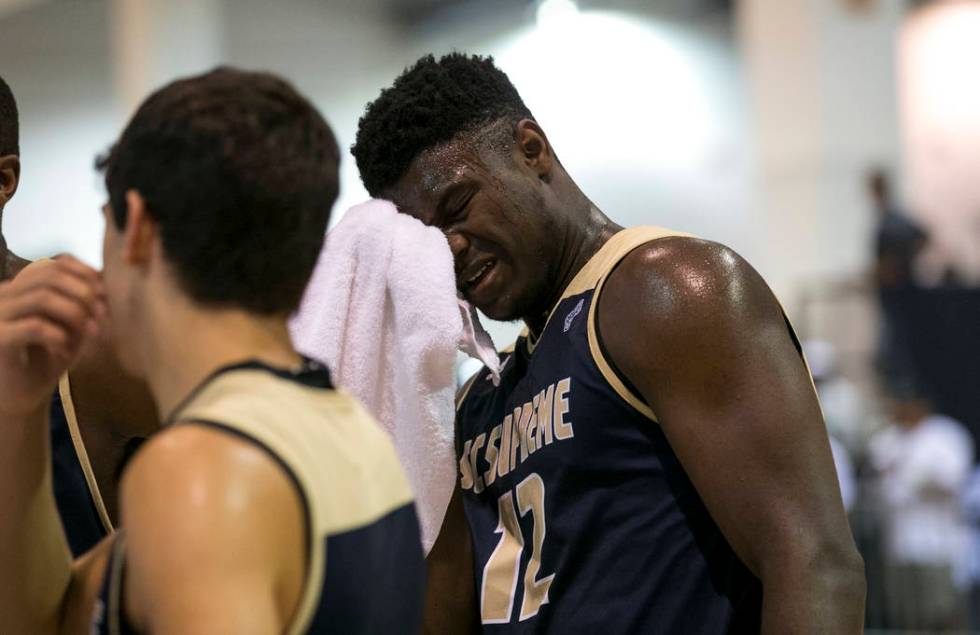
pixel 457 244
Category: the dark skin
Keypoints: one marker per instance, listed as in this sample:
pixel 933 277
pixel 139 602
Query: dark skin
pixel 699 334
pixel 112 407
pixel 113 410
pixel 10 262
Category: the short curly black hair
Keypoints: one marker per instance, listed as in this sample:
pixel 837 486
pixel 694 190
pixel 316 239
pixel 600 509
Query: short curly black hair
pixel 9 122
pixel 429 104
pixel 239 171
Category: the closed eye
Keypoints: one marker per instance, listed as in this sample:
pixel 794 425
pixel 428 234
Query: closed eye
pixel 458 208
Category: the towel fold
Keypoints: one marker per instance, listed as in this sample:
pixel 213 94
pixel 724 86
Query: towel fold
pixel 381 311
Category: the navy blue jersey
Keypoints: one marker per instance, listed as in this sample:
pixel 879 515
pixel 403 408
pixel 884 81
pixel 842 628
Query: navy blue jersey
pixel 365 571
pixel 583 520
pixel 76 493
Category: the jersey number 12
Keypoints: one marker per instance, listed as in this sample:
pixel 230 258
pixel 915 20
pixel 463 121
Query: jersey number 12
pixel 502 569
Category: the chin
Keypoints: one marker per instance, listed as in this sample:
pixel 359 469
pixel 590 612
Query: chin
pixel 502 310
pixel 499 316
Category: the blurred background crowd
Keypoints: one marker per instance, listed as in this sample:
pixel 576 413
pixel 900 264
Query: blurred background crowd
pixel 834 143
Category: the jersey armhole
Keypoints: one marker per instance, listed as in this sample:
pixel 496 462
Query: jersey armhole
pixel 465 390
pixel 315 549
pixel 616 379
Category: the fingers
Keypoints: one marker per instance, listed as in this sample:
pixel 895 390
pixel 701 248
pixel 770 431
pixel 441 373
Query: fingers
pixel 79 269
pixel 51 303
pixel 64 290
pixel 39 332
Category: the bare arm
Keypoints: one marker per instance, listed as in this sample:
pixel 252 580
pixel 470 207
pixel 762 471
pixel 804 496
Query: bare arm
pixel 46 314
pixel 701 336
pixel 450 600
pixel 215 537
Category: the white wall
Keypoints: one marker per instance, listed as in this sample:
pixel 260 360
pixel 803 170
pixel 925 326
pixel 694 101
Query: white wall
pixel 56 59
pixel 821 85
pixel 940 107
pixel 78 70
pixel 340 58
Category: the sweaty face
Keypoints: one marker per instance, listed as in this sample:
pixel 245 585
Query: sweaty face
pixel 492 210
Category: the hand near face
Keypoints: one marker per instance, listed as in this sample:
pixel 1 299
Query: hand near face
pixel 47 313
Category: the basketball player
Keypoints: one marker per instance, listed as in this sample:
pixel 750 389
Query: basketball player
pixel 653 460
pixel 220 189
pixel 98 415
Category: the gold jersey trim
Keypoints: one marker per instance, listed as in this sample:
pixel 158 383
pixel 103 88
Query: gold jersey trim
pixel 114 607
pixel 343 463
pixel 68 405
pixel 593 276
pixel 465 390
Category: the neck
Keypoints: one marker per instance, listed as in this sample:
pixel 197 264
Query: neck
pixel 10 263
pixel 582 237
pixel 186 344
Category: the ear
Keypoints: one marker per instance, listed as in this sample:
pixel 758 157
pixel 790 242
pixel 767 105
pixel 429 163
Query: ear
pixel 534 148
pixel 140 233
pixel 9 177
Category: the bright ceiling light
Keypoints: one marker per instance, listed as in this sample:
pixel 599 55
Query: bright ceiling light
pixel 555 11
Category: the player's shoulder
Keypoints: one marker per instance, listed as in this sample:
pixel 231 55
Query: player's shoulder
pixel 679 275
pixel 183 465
pixel 682 260
pixel 200 504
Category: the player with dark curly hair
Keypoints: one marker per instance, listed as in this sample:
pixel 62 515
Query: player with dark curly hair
pixel 268 502
pixel 654 459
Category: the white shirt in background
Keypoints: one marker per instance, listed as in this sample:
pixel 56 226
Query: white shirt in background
pixel 922 472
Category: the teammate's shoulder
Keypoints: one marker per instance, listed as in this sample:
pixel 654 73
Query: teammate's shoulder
pixel 182 463
pixel 199 504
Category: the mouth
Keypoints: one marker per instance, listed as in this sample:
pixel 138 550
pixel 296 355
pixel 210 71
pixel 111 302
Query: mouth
pixel 475 274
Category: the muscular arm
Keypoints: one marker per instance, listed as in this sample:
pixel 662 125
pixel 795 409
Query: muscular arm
pixel 214 537
pixel 701 336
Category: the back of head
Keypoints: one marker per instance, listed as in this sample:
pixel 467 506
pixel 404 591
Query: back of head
pixel 9 122
pixel 429 104
pixel 239 171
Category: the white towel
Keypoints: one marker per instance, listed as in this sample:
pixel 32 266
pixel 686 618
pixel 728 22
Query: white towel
pixel 381 311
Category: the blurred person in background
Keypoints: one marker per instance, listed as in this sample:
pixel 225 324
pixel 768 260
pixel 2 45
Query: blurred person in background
pixel 897 244
pixel 923 460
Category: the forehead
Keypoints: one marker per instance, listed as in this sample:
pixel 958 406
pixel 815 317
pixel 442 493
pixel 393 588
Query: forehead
pixel 434 172
pixel 429 175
